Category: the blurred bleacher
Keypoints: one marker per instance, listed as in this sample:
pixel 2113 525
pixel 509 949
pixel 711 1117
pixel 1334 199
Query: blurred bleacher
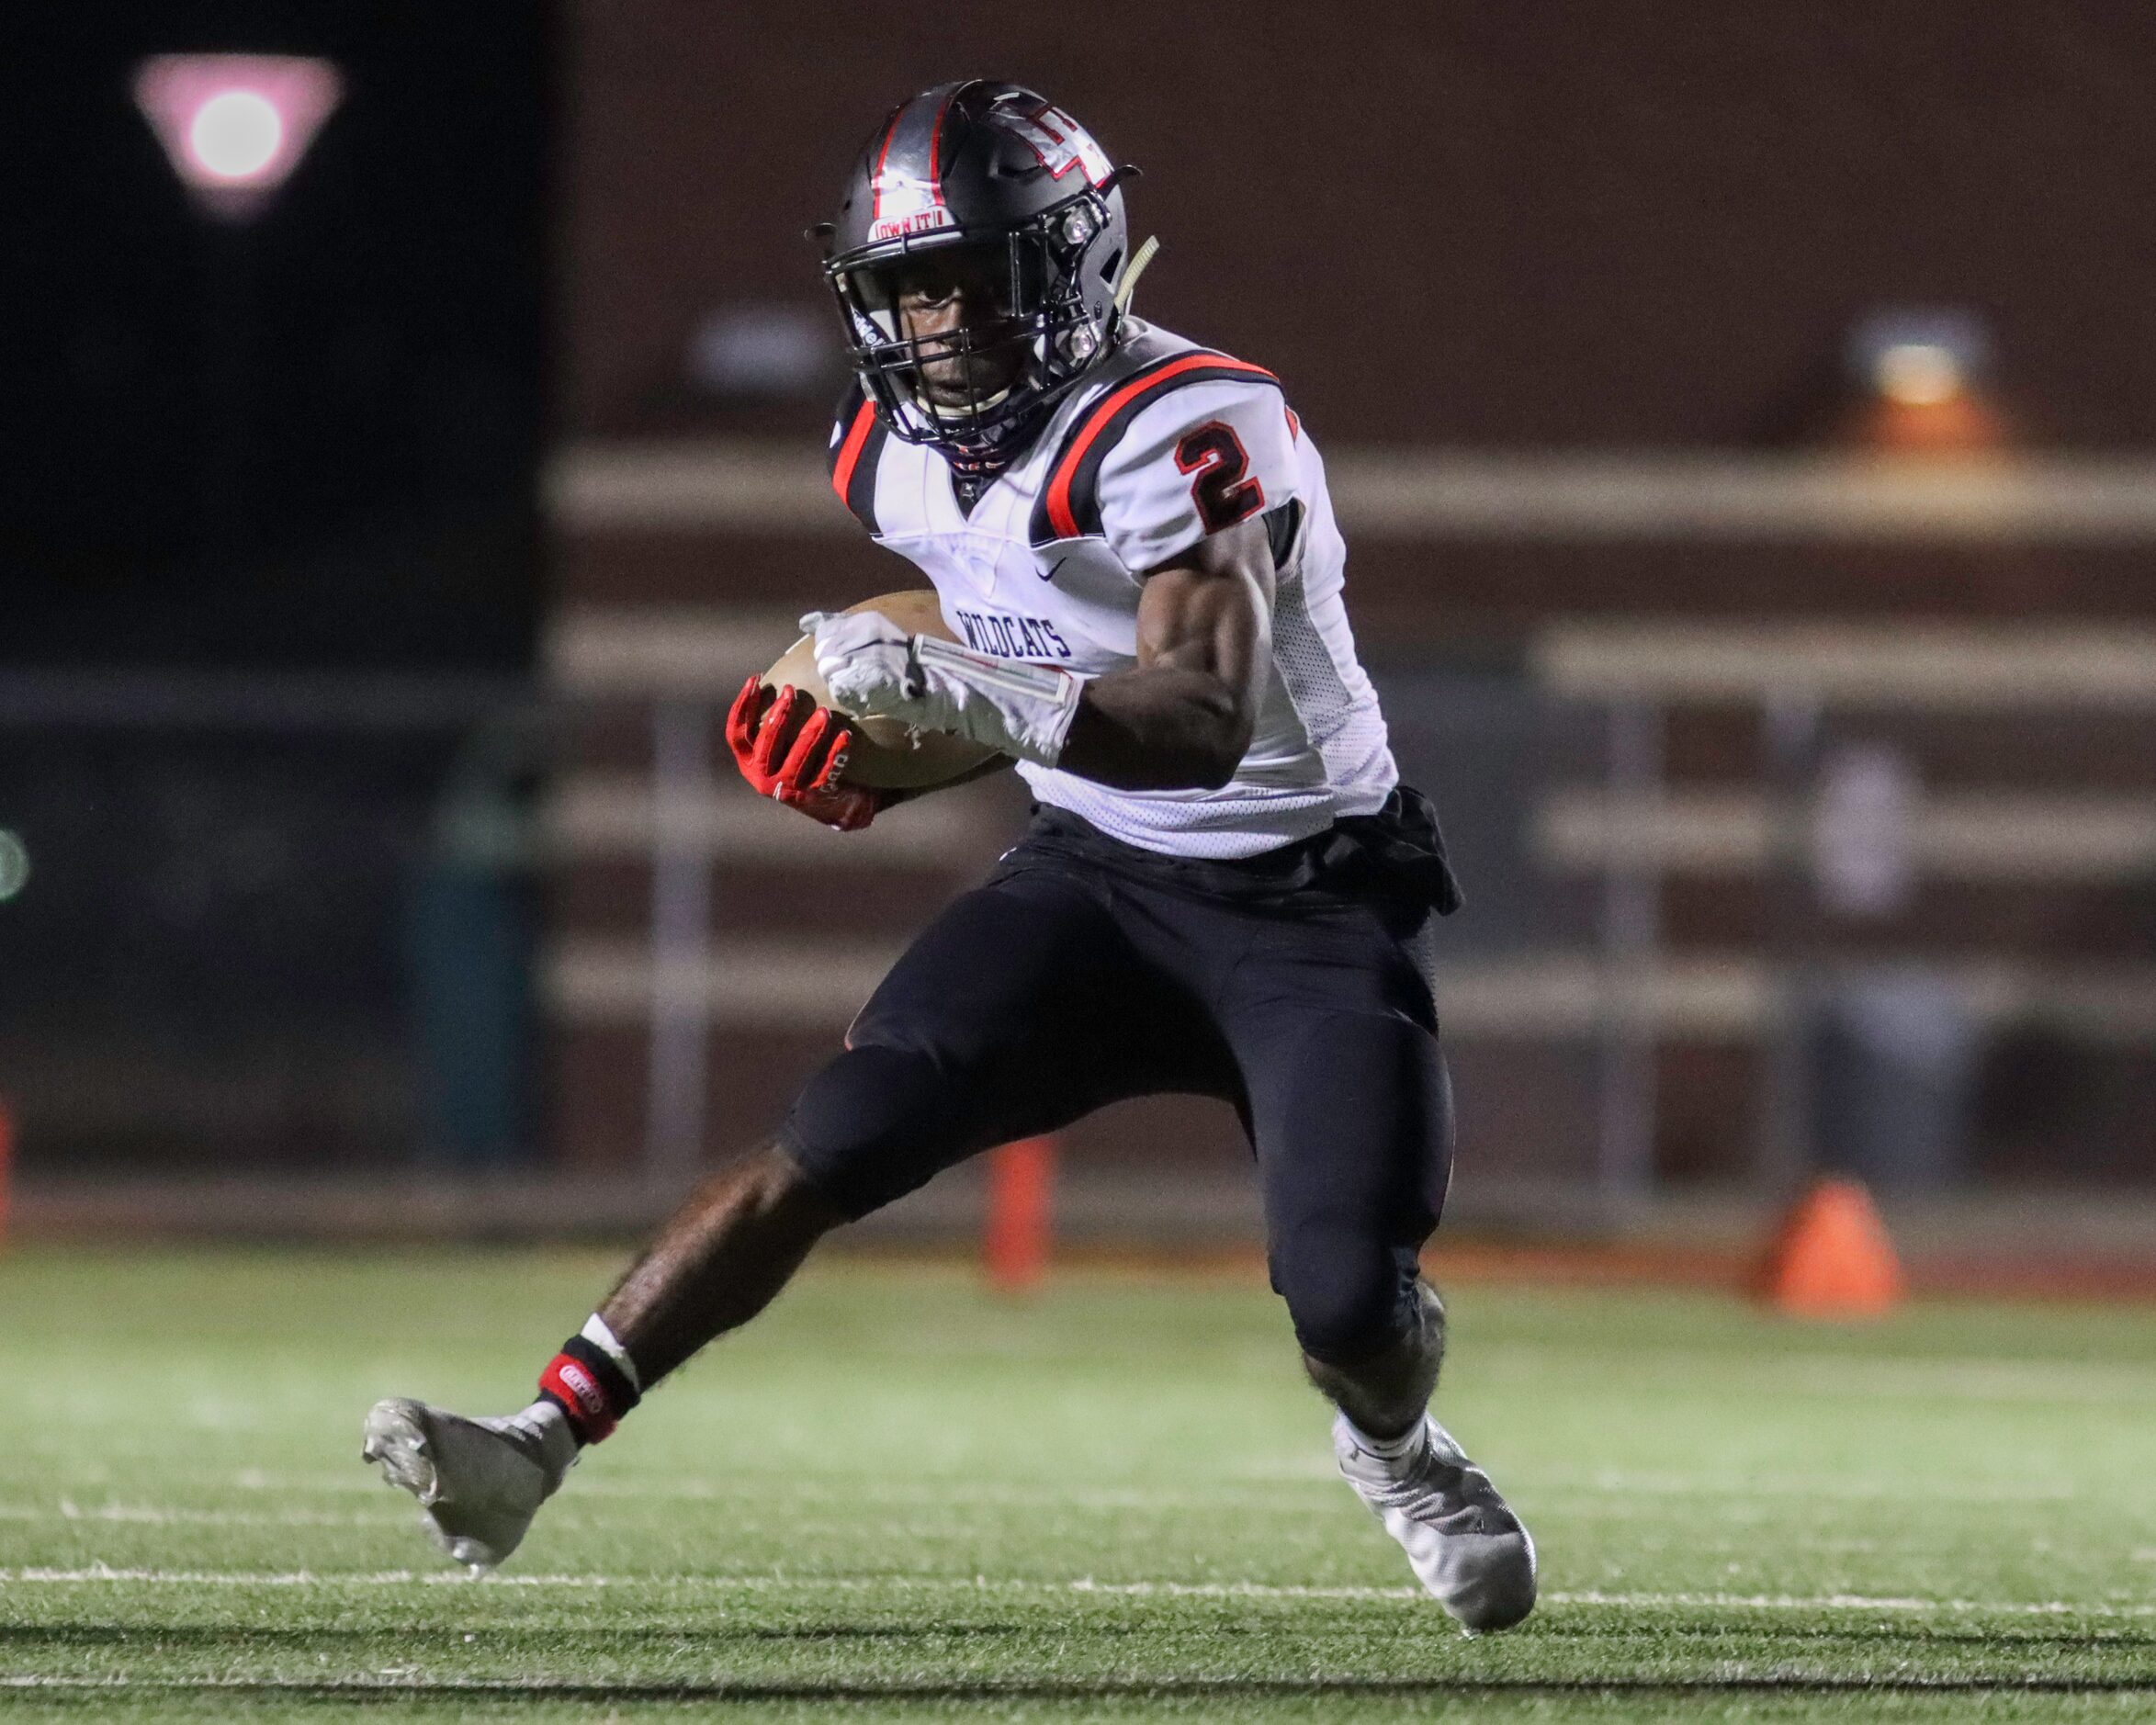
pixel 1756 707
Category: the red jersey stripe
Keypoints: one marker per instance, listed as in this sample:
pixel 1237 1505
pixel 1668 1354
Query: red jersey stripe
pixel 1061 514
pixel 850 451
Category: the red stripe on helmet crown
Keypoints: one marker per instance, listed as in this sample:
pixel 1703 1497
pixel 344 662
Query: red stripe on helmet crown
pixel 876 180
pixel 934 183
pixel 1060 514
pixel 936 150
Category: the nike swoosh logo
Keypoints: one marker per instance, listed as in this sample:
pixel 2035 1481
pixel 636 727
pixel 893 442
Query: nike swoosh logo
pixel 1049 574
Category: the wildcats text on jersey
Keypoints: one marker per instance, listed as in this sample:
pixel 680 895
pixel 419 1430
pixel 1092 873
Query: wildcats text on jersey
pixel 1010 636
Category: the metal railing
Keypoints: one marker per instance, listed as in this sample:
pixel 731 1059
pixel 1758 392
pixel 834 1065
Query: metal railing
pixel 1565 988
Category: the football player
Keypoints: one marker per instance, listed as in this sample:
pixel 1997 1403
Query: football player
pixel 1225 888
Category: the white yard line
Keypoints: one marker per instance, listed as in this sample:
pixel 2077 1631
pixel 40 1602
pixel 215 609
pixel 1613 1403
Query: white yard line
pixel 1623 1485
pixel 1254 1488
pixel 166 1516
pixel 159 1516
pixel 961 1494
pixel 108 1575
pixel 1608 1482
pixel 1852 1602
pixel 1260 1484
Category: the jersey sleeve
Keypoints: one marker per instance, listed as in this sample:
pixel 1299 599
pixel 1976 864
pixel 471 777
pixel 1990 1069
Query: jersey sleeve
pixel 1196 460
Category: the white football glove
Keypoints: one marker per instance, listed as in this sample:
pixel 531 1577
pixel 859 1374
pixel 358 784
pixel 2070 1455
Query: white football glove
pixel 874 670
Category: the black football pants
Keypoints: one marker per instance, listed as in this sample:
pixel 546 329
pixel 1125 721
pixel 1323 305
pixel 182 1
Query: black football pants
pixel 1058 986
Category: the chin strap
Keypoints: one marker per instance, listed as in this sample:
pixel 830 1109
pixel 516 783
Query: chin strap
pixel 1144 256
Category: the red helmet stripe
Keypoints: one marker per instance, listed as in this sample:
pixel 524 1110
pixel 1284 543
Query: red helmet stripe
pixel 876 179
pixel 936 150
pixel 1060 514
pixel 908 119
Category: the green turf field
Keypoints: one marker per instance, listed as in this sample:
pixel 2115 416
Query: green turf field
pixel 901 1497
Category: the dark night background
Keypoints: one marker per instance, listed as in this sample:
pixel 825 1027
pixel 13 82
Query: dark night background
pixel 309 439
pixel 249 461
pixel 289 659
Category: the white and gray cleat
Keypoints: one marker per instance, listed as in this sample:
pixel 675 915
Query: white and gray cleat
pixel 1464 1542
pixel 479 1482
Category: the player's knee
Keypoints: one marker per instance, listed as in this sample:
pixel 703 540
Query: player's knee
pixel 1349 1303
pixel 773 1184
pixel 867 1129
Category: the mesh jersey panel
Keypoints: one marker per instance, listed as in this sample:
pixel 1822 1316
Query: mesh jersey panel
pixel 1320 749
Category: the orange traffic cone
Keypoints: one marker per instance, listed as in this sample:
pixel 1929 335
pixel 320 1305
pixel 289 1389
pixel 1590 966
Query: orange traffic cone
pixel 1021 1177
pixel 1831 1258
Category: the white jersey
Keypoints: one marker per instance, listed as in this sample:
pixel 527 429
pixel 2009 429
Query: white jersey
pixel 1163 442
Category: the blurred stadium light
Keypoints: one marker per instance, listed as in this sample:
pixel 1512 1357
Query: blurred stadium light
pixel 235 126
pixel 14 864
pixel 1924 382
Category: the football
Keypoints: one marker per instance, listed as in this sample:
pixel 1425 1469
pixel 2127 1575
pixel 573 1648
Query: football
pixel 887 757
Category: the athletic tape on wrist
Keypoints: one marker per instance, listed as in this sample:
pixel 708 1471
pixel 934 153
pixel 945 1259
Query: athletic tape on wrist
pixel 1054 692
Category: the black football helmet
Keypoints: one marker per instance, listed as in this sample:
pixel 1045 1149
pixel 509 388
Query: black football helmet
pixel 997 170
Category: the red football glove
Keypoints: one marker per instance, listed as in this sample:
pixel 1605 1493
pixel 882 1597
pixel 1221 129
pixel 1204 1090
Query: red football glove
pixel 792 750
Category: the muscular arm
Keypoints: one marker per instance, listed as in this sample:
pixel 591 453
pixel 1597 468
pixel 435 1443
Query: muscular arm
pixel 1181 717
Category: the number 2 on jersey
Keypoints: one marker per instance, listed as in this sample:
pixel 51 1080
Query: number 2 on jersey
pixel 1223 494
